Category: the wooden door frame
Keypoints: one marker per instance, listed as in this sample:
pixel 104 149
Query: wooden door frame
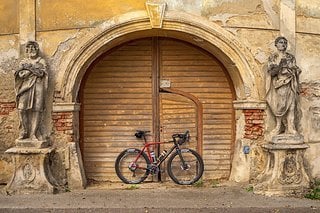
pixel 155 88
pixel 199 107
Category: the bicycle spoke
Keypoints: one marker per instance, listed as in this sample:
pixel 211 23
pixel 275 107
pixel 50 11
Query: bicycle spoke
pixel 189 171
pixel 130 170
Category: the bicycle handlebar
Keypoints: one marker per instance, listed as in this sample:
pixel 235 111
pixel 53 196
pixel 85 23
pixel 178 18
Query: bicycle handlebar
pixel 182 137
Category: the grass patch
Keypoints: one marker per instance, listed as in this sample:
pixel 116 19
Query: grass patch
pixel 314 194
pixel 214 183
pixel 199 183
pixel 132 187
pixel 249 189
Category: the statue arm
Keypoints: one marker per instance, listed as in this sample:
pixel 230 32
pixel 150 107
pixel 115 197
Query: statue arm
pixel 273 69
pixel 295 67
pixel 40 69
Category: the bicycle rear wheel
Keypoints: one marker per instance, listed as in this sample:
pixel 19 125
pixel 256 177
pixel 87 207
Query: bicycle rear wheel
pixel 185 173
pixel 130 168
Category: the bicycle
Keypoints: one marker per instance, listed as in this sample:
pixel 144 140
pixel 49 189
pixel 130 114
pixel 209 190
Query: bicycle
pixel 185 166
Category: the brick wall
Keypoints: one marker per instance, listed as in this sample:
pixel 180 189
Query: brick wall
pixel 7 107
pixel 63 123
pixel 254 127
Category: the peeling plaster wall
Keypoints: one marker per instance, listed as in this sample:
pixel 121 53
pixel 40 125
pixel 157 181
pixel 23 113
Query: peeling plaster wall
pixel 61 25
pixel 8 15
pixel 308 16
pixel 242 13
pixel 308 54
pixel 8 117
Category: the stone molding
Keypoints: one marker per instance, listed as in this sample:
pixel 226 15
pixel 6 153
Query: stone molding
pixel 249 104
pixel 66 107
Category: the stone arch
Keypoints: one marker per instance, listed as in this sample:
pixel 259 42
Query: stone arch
pixel 237 59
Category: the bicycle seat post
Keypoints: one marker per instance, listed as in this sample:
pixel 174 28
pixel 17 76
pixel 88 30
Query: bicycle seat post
pixel 144 138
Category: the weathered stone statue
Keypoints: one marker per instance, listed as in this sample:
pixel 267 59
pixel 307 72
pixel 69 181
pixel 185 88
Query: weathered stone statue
pixel 283 89
pixel 31 83
pixel 285 171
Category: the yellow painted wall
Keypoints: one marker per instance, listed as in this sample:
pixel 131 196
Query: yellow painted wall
pixel 62 14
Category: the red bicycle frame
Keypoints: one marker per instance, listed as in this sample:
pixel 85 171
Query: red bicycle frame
pixel 146 147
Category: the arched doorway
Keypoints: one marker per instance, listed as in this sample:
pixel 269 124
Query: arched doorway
pixel 121 93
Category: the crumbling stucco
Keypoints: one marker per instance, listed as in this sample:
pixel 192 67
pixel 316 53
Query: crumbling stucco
pixel 241 13
pixel 308 16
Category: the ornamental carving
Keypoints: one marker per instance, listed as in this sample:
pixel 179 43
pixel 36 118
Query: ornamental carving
pixel 28 172
pixel 290 171
pixel 156 13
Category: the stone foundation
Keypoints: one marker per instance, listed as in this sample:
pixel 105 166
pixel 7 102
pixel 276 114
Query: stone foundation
pixel 31 172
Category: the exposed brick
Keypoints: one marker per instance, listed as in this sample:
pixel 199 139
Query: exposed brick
pixel 254 123
pixel 7 107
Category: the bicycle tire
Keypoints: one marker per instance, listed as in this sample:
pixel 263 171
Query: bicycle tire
pixel 189 175
pixel 125 168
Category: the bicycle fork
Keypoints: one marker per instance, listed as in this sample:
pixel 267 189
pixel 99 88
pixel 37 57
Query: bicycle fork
pixel 184 165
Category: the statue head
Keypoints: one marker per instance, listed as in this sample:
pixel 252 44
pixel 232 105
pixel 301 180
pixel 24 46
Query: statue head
pixel 32 49
pixel 281 43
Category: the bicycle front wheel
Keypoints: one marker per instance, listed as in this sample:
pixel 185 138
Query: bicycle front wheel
pixel 185 168
pixel 131 166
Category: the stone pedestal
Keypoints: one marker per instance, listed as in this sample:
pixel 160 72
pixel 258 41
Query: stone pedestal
pixel 31 173
pixel 285 173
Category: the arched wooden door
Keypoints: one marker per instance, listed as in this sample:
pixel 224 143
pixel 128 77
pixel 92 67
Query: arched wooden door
pixel 121 93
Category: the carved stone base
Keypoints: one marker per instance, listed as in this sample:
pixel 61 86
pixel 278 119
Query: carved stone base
pixel 31 173
pixel 285 173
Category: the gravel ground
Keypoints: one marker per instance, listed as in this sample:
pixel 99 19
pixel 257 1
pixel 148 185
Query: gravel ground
pixel 156 197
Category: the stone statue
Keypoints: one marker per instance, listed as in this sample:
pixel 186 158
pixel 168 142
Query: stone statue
pixel 283 89
pixel 31 83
